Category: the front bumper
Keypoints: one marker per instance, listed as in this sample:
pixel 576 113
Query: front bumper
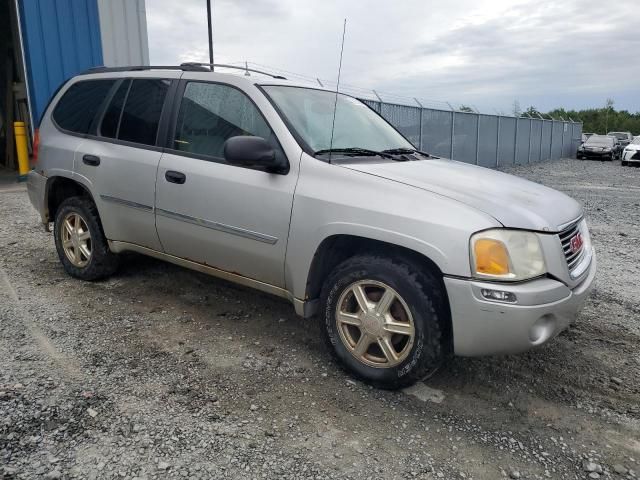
pixel 631 156
pixel 545 307
pixel 597 154
pixel 37 187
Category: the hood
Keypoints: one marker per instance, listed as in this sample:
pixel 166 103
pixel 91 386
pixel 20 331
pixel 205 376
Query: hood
pixel 596 146
pixel 513 201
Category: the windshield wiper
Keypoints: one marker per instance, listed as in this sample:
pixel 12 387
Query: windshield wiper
pixel 355 152
pixel 404 151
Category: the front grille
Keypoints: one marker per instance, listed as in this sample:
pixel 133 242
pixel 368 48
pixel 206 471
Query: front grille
pixel 573 258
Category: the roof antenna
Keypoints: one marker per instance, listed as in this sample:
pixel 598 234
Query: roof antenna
pixel 210 30
pixel 335 103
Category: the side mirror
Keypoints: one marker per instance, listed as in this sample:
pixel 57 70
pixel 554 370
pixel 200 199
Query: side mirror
pixel 248 151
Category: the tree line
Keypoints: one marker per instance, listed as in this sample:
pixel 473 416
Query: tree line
pixel 596 120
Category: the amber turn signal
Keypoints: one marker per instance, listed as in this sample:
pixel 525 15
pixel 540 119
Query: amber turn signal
pixel 491 257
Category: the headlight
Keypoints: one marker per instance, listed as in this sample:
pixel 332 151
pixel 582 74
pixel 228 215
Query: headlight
pixel 503 254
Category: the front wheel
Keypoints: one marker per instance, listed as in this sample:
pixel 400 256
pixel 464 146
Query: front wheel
pixel 80 241
pixel 383 320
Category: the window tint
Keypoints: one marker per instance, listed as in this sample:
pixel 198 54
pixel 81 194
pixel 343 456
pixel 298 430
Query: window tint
pixel 142 110
pixel 79 105
pixel 111 119
pixel 211 113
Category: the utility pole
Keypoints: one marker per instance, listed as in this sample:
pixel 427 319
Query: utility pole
pixel 210 33
pixel 609 104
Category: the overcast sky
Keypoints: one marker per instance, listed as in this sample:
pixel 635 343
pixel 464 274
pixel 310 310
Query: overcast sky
pixel 487 53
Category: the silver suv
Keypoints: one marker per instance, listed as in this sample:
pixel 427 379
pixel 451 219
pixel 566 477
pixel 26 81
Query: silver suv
pixel 625 138
pixel 405 258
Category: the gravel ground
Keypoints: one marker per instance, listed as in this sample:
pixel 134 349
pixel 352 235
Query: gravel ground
pixel 160 372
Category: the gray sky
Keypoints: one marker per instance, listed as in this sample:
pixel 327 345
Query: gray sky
pixel 488 53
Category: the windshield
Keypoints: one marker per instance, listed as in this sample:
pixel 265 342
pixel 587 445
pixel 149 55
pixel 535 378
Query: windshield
pixel 619 135
pixel 599 140
pixel 310 113
pixel 636 140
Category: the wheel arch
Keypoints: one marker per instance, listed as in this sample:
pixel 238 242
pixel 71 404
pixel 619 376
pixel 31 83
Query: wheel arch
pixel 337 248
pixel 59 188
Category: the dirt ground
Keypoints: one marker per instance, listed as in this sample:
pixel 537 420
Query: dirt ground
pixel 160 372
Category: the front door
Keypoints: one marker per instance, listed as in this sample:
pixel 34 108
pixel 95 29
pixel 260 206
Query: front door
pixel 233 218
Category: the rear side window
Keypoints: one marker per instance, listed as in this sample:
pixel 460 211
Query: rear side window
pixel 111 119
pixel 142 109
pixel 79 105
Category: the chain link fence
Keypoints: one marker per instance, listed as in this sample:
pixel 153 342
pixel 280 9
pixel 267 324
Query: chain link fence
pixel 487 140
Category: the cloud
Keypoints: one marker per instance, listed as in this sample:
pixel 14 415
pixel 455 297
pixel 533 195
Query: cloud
pixel 574 53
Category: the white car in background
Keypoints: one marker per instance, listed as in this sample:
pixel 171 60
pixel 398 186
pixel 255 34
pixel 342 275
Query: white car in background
pixel 631 153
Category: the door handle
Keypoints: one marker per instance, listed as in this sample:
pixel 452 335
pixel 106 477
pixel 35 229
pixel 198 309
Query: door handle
pixel 91 160
pixel 175 177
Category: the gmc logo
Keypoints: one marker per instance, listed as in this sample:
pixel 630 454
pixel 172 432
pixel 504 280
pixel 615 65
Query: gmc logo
pixel 576 242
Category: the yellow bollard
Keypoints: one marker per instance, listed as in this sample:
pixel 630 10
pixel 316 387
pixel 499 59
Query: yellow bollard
pixel 20 132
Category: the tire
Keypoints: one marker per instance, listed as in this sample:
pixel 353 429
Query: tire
pixel 420 296
pixel 624 163
pixel 83 217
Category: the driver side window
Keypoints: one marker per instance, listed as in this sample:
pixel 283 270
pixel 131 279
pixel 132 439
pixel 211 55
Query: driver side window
pixel 211 113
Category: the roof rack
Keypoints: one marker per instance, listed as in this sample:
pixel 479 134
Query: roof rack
pixel 138 68
pixel 234 67
pixel 186 67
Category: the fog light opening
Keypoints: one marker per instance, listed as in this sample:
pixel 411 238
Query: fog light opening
pixel 542 330
pixel 499 295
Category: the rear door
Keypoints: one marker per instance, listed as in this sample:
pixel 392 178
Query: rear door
pixel 121 159
pixel 208 211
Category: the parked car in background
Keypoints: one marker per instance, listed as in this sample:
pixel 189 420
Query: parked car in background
pixel 631 153
pixel 406 258
pixel 623 137
pixel 599 147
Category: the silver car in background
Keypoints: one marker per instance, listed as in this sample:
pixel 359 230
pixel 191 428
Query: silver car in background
pixel 405 258
pixel 624 138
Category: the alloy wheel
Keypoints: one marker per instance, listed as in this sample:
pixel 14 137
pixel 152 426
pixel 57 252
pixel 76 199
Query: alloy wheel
pixel 375 324
pixel 76 239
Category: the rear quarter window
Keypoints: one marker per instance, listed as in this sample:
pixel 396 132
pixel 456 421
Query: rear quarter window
pixel 80 104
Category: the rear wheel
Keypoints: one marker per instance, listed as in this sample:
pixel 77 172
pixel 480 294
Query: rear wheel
pixel 382 319
pixel 80 241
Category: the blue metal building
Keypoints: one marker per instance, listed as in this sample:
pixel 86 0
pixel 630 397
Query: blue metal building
pixel 60 38
pixel 49 41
